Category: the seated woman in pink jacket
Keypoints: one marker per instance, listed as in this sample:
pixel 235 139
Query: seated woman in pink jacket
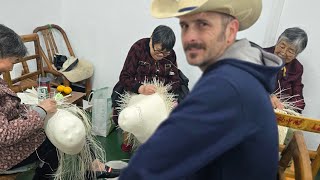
pixel 22 138
pixel 290 44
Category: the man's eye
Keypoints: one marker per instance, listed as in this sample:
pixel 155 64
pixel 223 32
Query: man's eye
pixel 291 52
pixel 203 24
pixel 183 26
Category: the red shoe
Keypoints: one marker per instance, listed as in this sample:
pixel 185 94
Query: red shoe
pixel 126 147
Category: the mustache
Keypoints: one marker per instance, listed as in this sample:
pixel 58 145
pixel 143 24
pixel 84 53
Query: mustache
pixel 193 45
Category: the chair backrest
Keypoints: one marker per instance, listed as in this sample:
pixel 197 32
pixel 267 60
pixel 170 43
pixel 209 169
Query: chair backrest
pixel 47 33
pixel 28 78
pixel 35 58
pixel 305 124
pixel 296 150
pixel 50 41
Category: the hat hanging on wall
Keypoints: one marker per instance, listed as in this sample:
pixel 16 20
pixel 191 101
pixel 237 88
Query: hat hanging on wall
pixel 76 70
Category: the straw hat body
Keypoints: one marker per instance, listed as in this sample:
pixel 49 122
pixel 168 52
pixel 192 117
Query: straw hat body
pixel 65 131
pixel 76 70
pixel 143 115
pixel 246 11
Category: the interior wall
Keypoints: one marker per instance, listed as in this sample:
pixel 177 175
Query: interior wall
pixel 103 32
pixel 24 16
pixel 302 14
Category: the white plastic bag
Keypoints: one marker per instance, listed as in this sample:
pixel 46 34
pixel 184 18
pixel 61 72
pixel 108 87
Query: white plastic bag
pixel 101 111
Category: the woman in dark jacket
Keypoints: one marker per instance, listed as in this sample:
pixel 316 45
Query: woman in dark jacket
pixel 289 45
pixel 149 58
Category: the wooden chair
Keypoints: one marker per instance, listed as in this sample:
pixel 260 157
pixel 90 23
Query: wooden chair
pixel 305 124
pixel 314 158
pixel 28 78
pixel 296 150
pixel 8 177
pixel 47 33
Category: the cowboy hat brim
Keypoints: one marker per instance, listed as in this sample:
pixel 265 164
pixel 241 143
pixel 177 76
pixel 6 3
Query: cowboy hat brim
pixel 246 11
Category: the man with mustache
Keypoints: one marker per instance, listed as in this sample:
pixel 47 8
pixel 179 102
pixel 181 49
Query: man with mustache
pixel 225 129
pixel 289 45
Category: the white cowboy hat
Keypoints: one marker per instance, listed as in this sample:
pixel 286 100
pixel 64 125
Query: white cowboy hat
pixel 246 11
pixel 76 70
pixel 143 115
pixel 65 131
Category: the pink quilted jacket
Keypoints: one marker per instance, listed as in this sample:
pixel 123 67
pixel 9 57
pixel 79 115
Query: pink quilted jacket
pixel 21 130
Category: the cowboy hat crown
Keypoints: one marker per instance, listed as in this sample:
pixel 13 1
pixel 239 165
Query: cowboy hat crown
pixel 246 11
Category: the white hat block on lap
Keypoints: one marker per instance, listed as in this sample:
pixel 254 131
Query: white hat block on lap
pixel 65 131
pixel 143 115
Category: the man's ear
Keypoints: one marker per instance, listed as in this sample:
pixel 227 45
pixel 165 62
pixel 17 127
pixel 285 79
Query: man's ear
pixel 232 30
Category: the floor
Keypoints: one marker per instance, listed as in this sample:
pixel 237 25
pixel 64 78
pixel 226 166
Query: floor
pixel 112 145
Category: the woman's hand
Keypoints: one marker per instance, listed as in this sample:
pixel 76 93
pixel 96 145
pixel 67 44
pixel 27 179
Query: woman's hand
pixel 276 102
pixel 147 89
pixel 49 105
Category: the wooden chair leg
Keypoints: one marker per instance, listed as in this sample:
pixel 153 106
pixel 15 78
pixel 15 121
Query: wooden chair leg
pixel 8 177
pixel 315 165
pixel 88 85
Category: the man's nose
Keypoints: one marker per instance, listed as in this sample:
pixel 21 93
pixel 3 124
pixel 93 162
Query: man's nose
pixel 190 35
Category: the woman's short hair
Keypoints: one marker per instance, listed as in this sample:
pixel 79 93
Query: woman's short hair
pixel 296 37
pixel 11 44
pixel 163 35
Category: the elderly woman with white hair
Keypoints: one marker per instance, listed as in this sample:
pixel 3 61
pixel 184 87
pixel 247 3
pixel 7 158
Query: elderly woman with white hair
pixel 289 45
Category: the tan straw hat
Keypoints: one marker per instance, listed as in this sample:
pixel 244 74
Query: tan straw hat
pixel 246 11
pixel 76 70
